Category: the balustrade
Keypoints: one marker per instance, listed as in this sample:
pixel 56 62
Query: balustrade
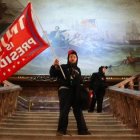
pixel 125 101
pixel 8 98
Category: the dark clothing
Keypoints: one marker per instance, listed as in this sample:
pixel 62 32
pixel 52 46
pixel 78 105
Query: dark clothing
pixel 72 74
pixel 98 85
pixel 68 96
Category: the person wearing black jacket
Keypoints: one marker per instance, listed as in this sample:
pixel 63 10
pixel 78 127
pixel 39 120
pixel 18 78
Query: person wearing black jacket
pixel 68 93
pixel 97 86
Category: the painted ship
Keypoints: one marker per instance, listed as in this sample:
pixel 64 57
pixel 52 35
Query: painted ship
pixel 133 37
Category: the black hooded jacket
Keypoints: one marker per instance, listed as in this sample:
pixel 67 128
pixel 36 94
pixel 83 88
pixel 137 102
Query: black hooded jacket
pixel 72 74
pixel 98 80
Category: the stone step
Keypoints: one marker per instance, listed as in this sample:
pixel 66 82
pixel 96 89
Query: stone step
pixel 57 112
pixel 52 113
pixel 30 125
pixel 72 131
pixel 90 115
pixel 56 118
pixel 47 113
pixel 11 136
pixel 50 121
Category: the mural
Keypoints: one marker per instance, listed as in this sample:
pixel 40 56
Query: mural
pixel 103 32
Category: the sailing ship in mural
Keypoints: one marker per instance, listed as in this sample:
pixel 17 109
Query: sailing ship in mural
pixel 133 36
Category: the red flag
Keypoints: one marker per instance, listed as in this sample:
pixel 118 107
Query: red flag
pixel 20 44
pixel 89 23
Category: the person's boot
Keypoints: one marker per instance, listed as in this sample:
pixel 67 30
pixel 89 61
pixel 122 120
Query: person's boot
pixel 84 133
pixel 60 133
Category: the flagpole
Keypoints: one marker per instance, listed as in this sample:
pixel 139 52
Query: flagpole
pixel 52 49
pixel 0 62
pixel 0 65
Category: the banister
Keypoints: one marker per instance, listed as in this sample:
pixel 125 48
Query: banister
pixel 127 80
pixel 8 98
pixel 125 102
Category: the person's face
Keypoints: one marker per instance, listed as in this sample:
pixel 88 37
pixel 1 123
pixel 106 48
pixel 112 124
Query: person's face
pixel 72 58
pixel 104 69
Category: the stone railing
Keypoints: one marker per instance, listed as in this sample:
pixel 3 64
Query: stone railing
pixel 38 103
pixel 8 98
pixel 130 82
pixel 125 102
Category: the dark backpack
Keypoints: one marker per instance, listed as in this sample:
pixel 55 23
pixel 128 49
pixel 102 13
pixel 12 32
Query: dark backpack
pixel 84 98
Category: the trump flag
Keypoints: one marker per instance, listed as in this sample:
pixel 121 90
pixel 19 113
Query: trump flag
pixel 20 44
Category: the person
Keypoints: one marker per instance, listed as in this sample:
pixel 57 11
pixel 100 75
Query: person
pixel 97 86
pixel 57 37
pixel 68 93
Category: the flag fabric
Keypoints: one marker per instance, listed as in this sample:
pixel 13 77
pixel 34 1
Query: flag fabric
pixel 20 44
pixel 89 23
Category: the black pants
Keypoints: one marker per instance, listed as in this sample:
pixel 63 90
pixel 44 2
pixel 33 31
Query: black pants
pixel 67 99
pixel 97 98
